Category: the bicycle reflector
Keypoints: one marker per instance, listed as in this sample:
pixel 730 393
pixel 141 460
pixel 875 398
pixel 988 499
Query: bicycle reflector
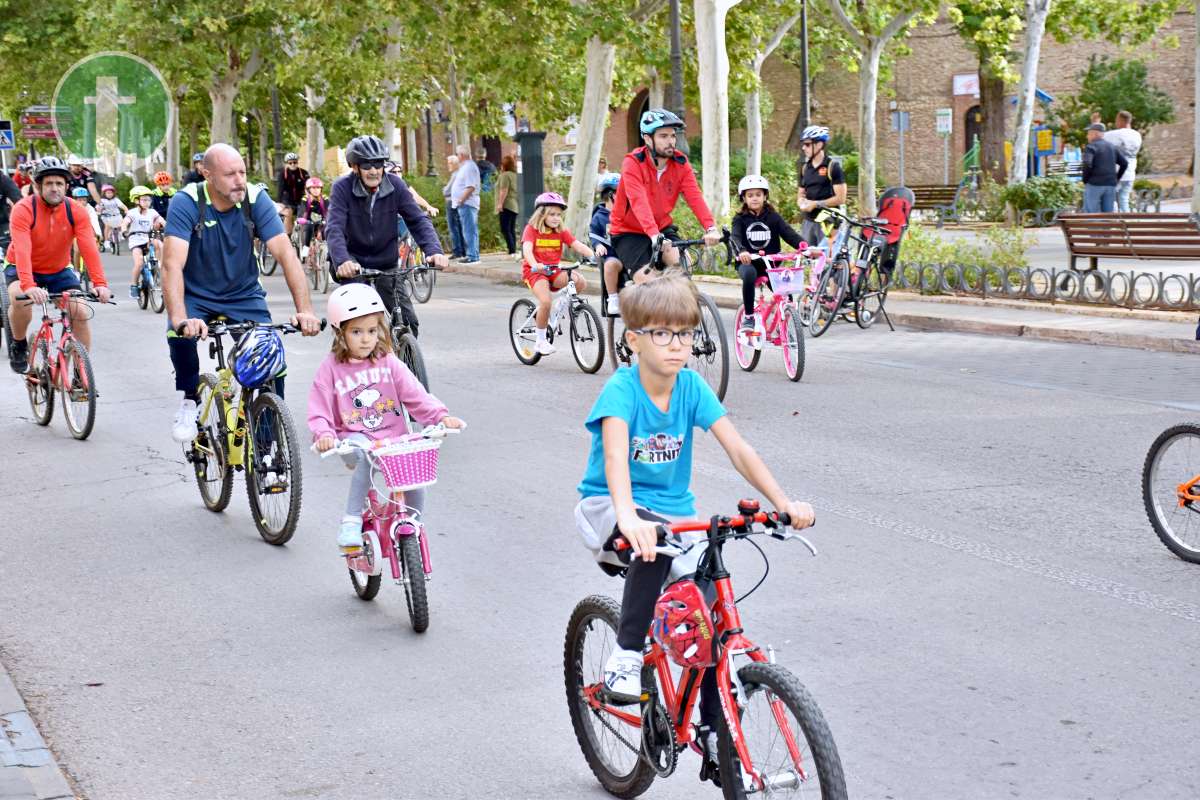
pixel 258 357
pixel 683 625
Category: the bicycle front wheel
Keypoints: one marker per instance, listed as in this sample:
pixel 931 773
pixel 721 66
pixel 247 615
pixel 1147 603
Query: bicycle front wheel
pixel 214 476
pixel 156 290
pixel 873 294
pixel 522 333
pixel 273 478
pixel 829 298
pixel 744 351
pixel 1170 477
pixel 415 594
pixel 587 341
pixel 710 350
pixel 409 352
pixel 79 394
pixel 611 746
pixel 786 737
pixel 793 344
pixel 423 279
pixel 39 385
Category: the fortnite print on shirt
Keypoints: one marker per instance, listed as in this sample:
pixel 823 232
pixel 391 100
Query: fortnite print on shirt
pixel 658 448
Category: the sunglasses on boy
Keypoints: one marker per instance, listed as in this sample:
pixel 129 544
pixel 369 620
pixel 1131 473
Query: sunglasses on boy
pixel 662 336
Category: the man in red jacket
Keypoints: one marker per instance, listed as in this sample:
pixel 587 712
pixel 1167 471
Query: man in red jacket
pixel 652 178
pixel 44 225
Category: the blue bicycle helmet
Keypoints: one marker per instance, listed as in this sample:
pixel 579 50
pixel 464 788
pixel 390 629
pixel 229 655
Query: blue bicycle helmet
pixel 258 357
pixel 609 182
pixel 657 118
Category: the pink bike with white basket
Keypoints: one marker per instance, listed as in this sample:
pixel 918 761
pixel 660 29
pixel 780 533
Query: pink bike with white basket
pixel 392 531
pixel 781 318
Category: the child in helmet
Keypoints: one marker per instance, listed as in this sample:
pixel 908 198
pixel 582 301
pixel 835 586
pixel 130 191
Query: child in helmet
pixel 361 391
pixel 111 211
pixel 137 225
pixel 314 203
pixel 598 236
pixel 160 197
pixel 82 196
pixel 756 230
pixel 541 245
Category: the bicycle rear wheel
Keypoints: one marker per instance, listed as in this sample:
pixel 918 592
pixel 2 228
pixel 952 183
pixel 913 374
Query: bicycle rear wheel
pixel 618 351
pixel 780 710
pixel 38 384
pixel 266 261
pixel 611 746
pixel 710 350
pixel 587 341
pixel 423 279
pixel 416 595
pixel 79 399
pixel 828 301
pixel 1172 462
pixel 409 352
pixel 366 586
pixel 273 476
pixel 793 344
pixel 521 332
pixel 873 294
pixel 6 335
pixel 214 476
pixel 744 351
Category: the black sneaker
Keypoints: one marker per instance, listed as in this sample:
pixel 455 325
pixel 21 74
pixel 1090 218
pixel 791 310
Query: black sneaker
pixel 18 356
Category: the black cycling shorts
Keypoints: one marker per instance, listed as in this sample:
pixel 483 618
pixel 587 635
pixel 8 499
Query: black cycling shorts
pixel 633 250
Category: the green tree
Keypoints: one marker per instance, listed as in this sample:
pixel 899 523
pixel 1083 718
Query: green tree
pixel 1108 86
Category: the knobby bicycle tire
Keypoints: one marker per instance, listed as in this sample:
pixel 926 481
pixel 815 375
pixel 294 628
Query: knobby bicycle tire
pixel 585 721
pixel 823 760
pixel 211 433
pixel 268 412
pixel 80 380
pixel 416 595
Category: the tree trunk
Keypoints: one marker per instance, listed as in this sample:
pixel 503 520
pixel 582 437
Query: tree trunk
pixel 390 102
pixel 1196 126
pixel 713 64
pixel 754 131
pixel 593 119
pixel 868 76
pixel 264 147
pixel 276 130
pixel 459 129
pixel 658 91
pixel 193 140
pixel 411 167
pixel 221 128
pixel 314 133
pixel 173 137
pixel 991 134
pixel 1036 12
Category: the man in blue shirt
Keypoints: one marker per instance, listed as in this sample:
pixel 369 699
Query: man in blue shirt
pixel 209 268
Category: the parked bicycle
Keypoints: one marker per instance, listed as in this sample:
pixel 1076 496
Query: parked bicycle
pixel 855 283
pixel 582 322
pixel 1171 489
pixel 392 531
pixel 150 293
pixel 246 429
pixel 63 366
pixel 710 347
pixel 773 738
pixel 404 343
pixel 778 313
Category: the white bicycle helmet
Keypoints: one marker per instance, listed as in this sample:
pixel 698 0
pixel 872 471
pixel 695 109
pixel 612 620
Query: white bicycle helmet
pixel 753 182
pixel 350 301
pixel 815 133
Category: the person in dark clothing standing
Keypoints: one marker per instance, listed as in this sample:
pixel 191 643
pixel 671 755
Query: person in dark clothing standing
pixel 292 179
pixel 1103 166
pixel 757 230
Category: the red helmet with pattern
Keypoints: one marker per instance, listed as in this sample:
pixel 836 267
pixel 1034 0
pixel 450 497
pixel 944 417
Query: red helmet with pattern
pixel 683 625
pixel 162 178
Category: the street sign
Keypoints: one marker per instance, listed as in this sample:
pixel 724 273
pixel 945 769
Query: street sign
pixel 900 121
pixel 6 135
pixel 38 133
pixel 37 119
pixel 945 121
pixel 1044 142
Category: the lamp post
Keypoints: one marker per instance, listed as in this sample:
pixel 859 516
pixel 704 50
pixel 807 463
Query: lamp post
pixel 430 172
pixel 805 107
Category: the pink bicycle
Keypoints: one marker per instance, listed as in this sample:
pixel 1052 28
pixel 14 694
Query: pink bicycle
pixel 392 531
pixel 782 318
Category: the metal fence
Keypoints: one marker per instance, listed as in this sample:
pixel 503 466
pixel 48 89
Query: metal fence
pixel 1130 289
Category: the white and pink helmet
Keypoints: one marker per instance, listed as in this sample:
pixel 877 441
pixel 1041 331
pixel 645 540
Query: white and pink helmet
pixel 350 301
pixel 550 199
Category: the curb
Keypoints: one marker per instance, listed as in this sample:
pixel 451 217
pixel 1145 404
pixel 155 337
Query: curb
pixel 28 769
pixel 929 322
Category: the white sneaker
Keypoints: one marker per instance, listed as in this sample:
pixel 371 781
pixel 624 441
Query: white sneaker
pixel 544 348
pixel 350 534
pixel 304 252
pixel 613 305
pixel 623 676
pixel 183 429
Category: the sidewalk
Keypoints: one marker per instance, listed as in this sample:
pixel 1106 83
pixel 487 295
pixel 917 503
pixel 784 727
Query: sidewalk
pixel 28 770
pixel 1114 327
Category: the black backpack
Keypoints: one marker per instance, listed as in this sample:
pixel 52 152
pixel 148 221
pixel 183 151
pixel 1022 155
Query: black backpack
pixel 70 214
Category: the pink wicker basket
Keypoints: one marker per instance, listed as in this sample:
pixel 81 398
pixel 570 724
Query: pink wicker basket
pixel 409 464
pixel 787 279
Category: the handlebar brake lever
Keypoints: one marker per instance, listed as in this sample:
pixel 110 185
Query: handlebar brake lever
pixel 786 536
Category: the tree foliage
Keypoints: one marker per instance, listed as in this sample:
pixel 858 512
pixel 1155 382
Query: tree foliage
pixel 1108 86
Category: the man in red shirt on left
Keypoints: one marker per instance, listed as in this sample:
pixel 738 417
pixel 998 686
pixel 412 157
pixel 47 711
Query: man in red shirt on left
pixel 43 227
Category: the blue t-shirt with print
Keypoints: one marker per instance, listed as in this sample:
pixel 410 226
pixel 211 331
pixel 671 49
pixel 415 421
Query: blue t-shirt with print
pixel 660 444
pixel 220 264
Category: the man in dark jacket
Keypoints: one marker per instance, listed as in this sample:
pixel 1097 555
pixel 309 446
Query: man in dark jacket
pixel 10 195
pixel 361 230
pixel 1103 166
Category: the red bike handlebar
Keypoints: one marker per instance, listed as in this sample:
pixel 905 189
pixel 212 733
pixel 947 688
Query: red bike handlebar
pixel 771 518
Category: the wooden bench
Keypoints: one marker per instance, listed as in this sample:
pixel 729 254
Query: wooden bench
pixel 945 201
pixel 1146 237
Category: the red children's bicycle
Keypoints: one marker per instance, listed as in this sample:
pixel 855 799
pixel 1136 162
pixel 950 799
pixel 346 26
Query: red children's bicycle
pixel 773 739
pixel 64 367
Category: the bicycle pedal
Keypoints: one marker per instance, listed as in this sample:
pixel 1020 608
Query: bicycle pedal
pixel 353 550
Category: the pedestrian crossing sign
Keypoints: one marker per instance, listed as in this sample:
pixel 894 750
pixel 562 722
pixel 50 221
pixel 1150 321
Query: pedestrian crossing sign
pixel 6 137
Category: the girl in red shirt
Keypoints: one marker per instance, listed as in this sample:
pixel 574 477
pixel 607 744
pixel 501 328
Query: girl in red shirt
pixel 541 245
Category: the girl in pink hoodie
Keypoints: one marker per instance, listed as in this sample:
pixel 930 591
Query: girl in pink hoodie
pixel 361 391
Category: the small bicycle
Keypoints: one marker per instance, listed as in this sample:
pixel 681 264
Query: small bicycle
pixel 113 242
pixel 150 292
pixel 64 367
pixel 772 739
pixel 315 260
pixel 583 323
pixel 250 429
pixel 420 274
pixel 404 343
pixel 780 316
pixel 392 531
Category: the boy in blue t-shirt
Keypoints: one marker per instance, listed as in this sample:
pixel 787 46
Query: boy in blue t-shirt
pixel 640 467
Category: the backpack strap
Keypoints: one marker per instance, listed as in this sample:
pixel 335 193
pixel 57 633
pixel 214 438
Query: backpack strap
pixel 70 214
pixel 202 202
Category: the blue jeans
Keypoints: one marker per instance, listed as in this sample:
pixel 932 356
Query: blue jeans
pixel 468 217
pixel 456 236
pixel 1098 199
pixel 1124 189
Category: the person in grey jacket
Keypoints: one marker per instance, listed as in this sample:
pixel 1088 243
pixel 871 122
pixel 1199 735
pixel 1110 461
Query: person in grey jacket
pixel 1103 166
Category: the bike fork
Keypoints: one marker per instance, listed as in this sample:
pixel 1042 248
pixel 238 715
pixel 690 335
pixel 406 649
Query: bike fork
pixel 408 528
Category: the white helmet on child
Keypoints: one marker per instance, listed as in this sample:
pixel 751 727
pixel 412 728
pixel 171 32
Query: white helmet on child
pixel 753 182
pixel 350 301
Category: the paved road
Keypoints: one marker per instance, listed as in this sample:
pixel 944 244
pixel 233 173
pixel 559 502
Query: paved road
pixel 990 615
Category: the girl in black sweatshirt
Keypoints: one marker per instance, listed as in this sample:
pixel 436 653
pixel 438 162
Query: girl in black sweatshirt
pixel 757 229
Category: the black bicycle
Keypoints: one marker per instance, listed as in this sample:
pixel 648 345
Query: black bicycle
pixel 710 347
pixel 855 283
pixel 404 341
